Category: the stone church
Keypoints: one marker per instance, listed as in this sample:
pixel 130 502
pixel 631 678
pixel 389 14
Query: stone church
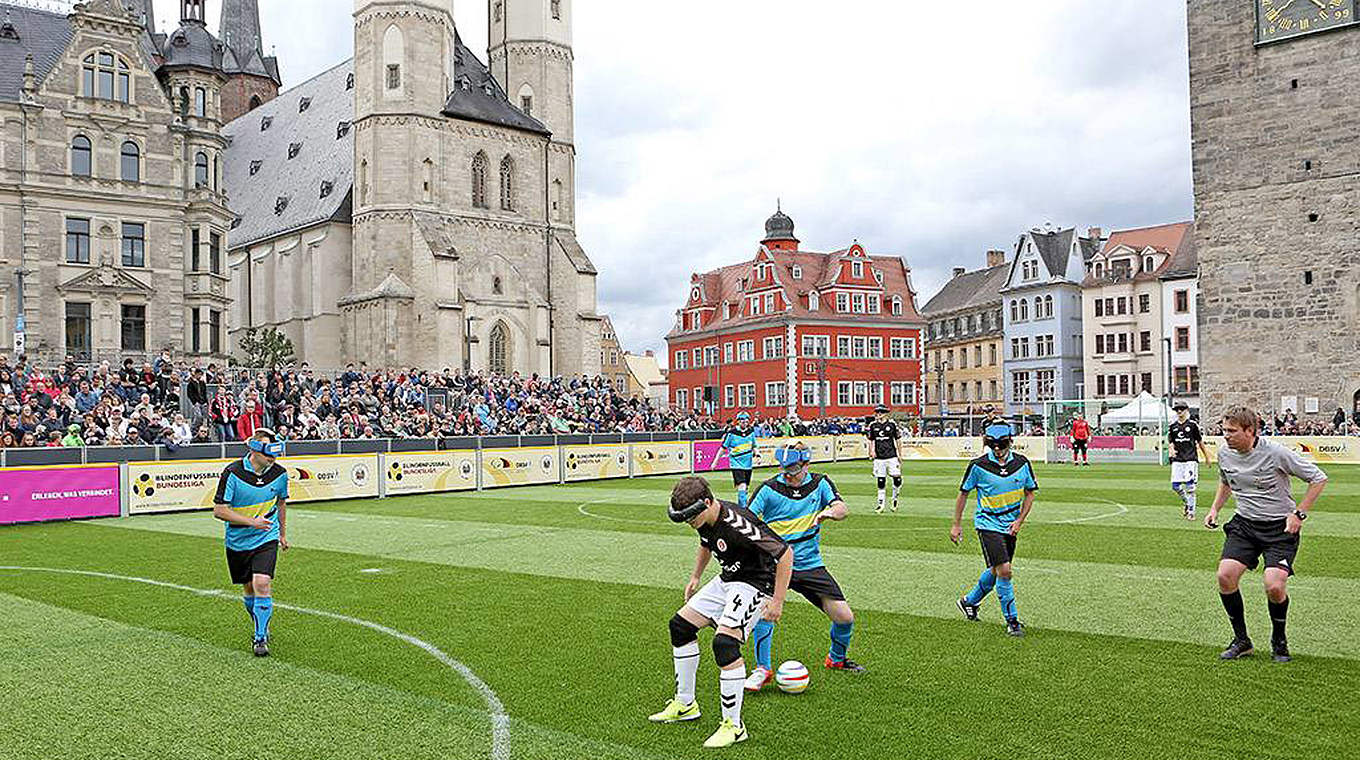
pixel 1277 203
pixel 414 205
pixel 113 211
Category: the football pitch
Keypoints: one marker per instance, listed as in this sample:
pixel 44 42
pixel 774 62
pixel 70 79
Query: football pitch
pixel 531 623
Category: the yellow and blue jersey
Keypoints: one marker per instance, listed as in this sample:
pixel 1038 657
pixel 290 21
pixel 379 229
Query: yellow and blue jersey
pixel 252 494
pixel 741 448
pixel 1001 488
pixel 791 512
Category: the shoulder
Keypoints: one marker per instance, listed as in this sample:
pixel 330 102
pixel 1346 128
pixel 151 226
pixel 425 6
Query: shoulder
pixel 235 467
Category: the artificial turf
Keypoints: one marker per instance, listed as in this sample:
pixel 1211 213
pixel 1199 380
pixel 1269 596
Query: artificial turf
pixel 557 598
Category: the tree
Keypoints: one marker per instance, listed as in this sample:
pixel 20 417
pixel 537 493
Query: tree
pixel 266 348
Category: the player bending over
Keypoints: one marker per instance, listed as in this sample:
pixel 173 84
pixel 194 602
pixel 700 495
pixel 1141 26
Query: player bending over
pixel 252 496
pixel 1005 487
pixel 756 567
pixel 883 434
pixel 794 504
pixel 740 445
pixel 1184 436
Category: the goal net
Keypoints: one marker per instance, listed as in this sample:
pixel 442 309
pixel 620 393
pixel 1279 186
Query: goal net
pixel 1122 430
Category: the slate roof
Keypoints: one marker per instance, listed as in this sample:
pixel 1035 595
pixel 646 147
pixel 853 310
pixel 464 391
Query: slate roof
pixel 477 97
pixel 192 46
pixel 1055 248
pixel 975 289
pixel 322 156
pixel 42 34
pixel 240 30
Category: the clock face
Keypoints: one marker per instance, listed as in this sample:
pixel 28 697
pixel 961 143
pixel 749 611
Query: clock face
pixel 1282 19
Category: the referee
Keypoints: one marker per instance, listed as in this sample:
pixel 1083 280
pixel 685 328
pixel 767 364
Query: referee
pixel 251 499
pixel 1256 471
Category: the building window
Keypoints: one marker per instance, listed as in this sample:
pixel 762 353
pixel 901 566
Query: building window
pixel 496 15
pixel 1121 304
pixel 816 345
pixel 196 330
pixel 507 184
pixel 775 394
pixel 905 348
pixel 711 356
pixel 1100 307
pixel 746 350
pixel 131 163
pixel 1145 340
pixel 394 76
pixel 479 167
pixel 1020 387
pixel 77 241
pixel 769 303
pixel 857 269
pixel 1182 339
pixel 875 393
pixel 1043 382
pixel 857 303
pixel 195 241
pixel 1182 298
pixel 134 327
pixel 214 253
pixel 897 306
pixel 772 348
pixel 873 302
pixel 843 303
pixel 526 104
pixel 1147 376
pixel 215 331
pixel 844 389
pixel 746 395
pixel 498 349
pixel 1100 344
pixel 1144 304
pixel 903 393
pixel 200 102
pixel 82 162
pixel 1187 379
pixel 991 354
pixel 814 301
pixel 680 362
pixel 556 6
pixel 681 398
pixel 1147 264
pixel 134 244
pixel 78 325
pixel 201 170
pixel 102 71
pixel 729 396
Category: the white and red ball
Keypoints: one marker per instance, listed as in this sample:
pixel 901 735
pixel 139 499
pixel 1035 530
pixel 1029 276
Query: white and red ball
pixel 792 677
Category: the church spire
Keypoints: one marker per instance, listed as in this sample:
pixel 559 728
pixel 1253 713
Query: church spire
pixel 240 27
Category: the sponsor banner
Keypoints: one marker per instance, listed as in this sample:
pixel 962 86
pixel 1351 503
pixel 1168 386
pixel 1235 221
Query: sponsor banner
pixel 823 448
pixel 1338 449
pixel 968 447
pixel 173 486
pixel 430 471
pixel 58 493
pixel 709 456
pixel 661 458
pixel 600 461
pixel 851 447
pixel 765 450
pixel 517 467
pixel 1106 443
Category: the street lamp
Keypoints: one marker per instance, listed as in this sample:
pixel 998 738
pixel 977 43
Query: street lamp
pixel 467 344
pixel 940 368
pixel 1168 373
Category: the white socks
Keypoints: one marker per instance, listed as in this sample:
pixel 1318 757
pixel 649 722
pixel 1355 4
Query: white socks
pixel 686 670
pixel 880 498
pixel 733 687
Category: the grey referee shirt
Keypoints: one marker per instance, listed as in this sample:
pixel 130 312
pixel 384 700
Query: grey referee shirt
pixel 1260 478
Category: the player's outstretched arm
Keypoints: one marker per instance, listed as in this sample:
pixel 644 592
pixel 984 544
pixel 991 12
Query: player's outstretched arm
pixel 1220 498
pixel 700 562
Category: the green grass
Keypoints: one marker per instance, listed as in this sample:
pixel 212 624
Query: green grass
pixel 557 598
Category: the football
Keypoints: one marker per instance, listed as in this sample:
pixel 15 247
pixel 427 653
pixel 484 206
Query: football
pixel 792 677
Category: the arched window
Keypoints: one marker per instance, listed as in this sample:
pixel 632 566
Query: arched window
pixel 1048 306
pixel 131 163
pixel 255 101
pixel 1038 307
pixel 184 101
pixel 496 285
pixel 1100 269
pixel 498 349
pixel 897 306
pixel 82 163
pixel 201 170
pixel 479 162
pixel 1024 309
pixel 394 52
pixel 1015 313
pixel 526 100
pixel 507 184
pixel 107 76
pixel 200 102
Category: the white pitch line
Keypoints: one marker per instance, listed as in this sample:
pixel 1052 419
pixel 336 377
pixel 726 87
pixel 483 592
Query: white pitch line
pixel 1120 511
pixel 500 721
pixel 582 509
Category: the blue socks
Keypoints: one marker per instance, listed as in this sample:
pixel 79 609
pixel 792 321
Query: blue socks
pixel 984 587
pixel 264 608
pixel 763 638
pixel 249 602
pixel 1005 593
pixel 840 640
pixel 741 497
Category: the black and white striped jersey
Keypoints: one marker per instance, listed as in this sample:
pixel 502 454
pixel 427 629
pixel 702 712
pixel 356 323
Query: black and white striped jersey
pixel 744 546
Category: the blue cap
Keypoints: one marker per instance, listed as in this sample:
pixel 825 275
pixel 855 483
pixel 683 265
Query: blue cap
pixel 788 456
pixel 743 416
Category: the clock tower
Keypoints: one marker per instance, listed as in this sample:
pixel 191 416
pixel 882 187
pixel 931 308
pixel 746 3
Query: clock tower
pixel 1277 202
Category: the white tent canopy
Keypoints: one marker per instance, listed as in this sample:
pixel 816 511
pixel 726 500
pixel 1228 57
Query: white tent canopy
pixel 1143 410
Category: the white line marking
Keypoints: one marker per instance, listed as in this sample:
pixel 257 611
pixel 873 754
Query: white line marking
pixel 1120 511
pixel 373 570
pixel 582 509
pixel 347 519
pixel 500 721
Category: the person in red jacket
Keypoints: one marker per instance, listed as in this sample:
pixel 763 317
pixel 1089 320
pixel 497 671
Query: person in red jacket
pixel 1081 436
pixel 223 414
pixel 251 419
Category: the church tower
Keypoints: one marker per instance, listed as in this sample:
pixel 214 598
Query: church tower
pixel 530 56
pixel 403 66
pixel 252 77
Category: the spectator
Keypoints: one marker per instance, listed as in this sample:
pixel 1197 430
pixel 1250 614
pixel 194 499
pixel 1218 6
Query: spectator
pixel 73 438
pixel 250 420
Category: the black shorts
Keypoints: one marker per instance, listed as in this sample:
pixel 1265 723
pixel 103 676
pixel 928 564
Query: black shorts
pixel 257 561
pixel 1247 540
pixel 1079 445
pixel 997 548
pixel 741 477
pixel 816 585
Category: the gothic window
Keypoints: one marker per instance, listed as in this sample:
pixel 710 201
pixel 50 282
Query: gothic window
pixel 496 285
pixel 201 170
pixel 131 162
pixel 479 166
pixel 498 349
pixel 81 161
pixel 526 100
pixel 394 53
pixel 107 76
pixel 507 184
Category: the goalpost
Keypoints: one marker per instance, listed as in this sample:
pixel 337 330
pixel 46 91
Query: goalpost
pixel 1122 430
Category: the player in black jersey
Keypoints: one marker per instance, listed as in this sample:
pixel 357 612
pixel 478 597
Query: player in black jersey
pixel 756 568
pixel 1184 436
pixel 883 434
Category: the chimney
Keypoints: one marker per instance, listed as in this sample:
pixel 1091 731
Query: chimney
pixel 995 258
pixel 959 270
pixel 1095 233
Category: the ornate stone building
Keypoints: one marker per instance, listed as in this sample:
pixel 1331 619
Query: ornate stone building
pixel 401 208
pixel 111 195
pixel 1277 170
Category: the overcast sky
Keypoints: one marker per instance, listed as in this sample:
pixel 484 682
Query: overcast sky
pixel 925 130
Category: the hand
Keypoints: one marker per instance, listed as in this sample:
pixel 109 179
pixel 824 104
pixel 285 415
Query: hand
pixel 1015 528
pixel 260 523
pixel 1292 523
pixel 691 588
pixel 283 543
pixel 1211 519
pixel 955 533
pixel 774 610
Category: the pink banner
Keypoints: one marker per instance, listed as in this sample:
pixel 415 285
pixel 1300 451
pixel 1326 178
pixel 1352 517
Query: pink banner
pixel 709 456
pixel 58 493
pixel 1106 442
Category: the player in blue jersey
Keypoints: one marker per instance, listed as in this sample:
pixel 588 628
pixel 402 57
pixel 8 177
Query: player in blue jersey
pixel 740 445
pixel 251 499
pixel 1005 487
pixel 794 504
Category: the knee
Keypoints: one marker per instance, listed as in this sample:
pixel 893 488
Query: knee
pixel 881 482
pixel 1227 580
pixel 726 650
pixel 1277 589
pixel 1003 572
pixel 263 585
pixel 897 480
pixel 682 631
pixel 843 615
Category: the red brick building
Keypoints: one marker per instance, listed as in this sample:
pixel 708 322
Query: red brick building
pixel 761 335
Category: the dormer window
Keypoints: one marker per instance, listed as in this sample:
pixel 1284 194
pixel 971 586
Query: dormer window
pixel 280 204
pixel 1029 269
pixel 107 76
pixel 797 272
pixel 341 129
pixel 349 82
pixel 727 310
pixel 878 277
pixel 814 301
pixel 8 32
pixel 856 269
pixel 464 83
pixel 1147 264
pixel 897 306
pixel 255 167
pixel 235 222
pixel 326 188
pixel 266 122
pixel 293 150
pixel 1100 269
pixel 304 104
